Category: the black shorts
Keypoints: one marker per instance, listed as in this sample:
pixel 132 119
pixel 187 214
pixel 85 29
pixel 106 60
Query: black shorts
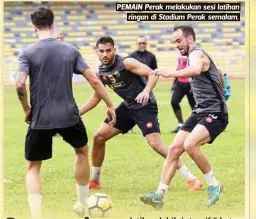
pixel 145 117
pixel 215 123
pixel 38 145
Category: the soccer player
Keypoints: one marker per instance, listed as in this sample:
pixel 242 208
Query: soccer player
pixel 208 120
pixel 49 64
pixel 126 77
pixel 180 88
pixel 143 55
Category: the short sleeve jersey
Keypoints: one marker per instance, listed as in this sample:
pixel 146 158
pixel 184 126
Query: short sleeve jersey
pixel 50 65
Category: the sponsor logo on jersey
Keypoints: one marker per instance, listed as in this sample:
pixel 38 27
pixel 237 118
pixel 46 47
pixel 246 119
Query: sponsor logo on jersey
pixel 208 119
pixel 117 85
pixel 117 74
pixel 211 117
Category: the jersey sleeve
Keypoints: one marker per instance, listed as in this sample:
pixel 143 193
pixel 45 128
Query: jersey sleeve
pixel 23 62
pixel 80 64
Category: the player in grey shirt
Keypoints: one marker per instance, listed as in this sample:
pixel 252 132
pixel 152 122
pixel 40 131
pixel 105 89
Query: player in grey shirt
pixel 209 117
pixel 50 64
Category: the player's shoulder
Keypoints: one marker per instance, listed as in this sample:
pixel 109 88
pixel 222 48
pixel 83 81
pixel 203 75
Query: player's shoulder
pixel 127 60
pixel 26 50
pixel 151 53
pixel 198 51
pixel 133 54
pixel 68 46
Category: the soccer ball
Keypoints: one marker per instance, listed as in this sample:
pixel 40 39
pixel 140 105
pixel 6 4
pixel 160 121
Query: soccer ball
pixel 99 205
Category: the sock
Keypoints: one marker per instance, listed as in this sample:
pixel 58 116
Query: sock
pixel 162 190
pixel 82 192
pixel 210 179
pixel 96 173
pixel 180 124
pixel 186 173
pixel 34 201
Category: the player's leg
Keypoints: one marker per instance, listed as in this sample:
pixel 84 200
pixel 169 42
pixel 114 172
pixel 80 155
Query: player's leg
pixel 177 96
pixel 34 188
pixel 82 174
pixel 38 147
pixel 147 121
pixel 102 135
pixel 209 127
pixel 154 140
pixel 123 124
pixel 76 136
pixel 170 165
pixel 155 199
pixel 190 96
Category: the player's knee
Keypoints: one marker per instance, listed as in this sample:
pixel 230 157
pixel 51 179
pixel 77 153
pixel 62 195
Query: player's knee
pixel 190 146
pixel 82 153
pixel 81 156
pixel 174 151
pixel 34 166
pixel 175 105
pixel 155 144
pixel 99 137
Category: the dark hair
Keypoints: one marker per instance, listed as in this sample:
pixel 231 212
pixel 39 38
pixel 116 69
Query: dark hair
pixel 42 17
pixel 105 40
pixel 187 30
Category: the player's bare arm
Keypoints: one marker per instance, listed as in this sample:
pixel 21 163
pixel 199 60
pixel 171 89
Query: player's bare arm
pixel 92 102
pixel 197 64
pixel 101 93
pixel 22 95
pixel 140 69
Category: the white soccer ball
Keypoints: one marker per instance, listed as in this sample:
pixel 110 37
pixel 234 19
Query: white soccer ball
pixel 99 205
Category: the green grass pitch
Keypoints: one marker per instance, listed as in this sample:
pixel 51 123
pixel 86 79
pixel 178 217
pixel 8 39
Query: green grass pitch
pixel 131 167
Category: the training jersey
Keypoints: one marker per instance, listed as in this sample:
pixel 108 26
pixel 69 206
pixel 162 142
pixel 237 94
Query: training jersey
pixel 146 57
pixel 50 65
pixel 124 83
pixel 207 89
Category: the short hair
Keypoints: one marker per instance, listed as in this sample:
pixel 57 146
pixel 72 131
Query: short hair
pixel 141 36
pixel 42 17
pixel 105 40
pixel 187 30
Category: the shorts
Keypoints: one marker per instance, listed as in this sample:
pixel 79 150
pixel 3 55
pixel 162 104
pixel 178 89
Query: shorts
pixel 145 117
pixel 215 123
pixel 38 143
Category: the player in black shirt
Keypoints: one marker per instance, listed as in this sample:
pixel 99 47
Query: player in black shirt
pixel 143 55
pixel 139 107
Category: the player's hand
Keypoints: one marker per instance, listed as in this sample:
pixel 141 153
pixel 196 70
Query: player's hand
pixel 28 116
pixel 81 113
pixel 163 73
pixel 142 97
pixel 111 113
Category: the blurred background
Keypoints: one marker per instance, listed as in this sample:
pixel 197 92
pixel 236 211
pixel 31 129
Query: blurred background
pixel 83 23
